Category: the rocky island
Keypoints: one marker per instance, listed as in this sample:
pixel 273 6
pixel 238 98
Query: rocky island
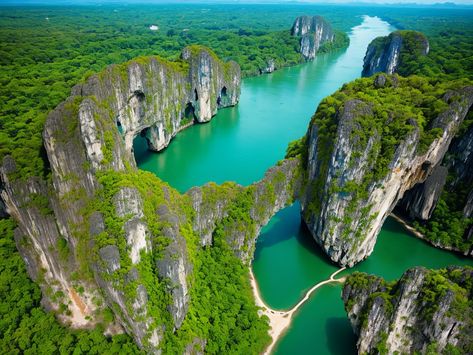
pixel 425 311
pixel 313 31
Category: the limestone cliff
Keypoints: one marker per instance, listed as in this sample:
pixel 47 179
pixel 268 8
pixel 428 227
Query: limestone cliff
pixel 314 31
pixel 99 234
pixel 367 145
pixel 425 311
pixel 215 205
pixel 421 200
pixel 392 53
pixel 446 197
pixel 157 98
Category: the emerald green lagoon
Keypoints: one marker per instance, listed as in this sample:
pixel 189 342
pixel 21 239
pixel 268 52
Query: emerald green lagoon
pixel 241 143
pixel 288 262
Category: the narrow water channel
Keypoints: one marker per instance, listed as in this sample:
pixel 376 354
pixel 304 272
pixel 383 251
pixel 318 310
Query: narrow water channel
pixel 241 143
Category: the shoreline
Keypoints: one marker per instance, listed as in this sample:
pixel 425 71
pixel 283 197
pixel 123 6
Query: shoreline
pixel 279 321
pixel 419 235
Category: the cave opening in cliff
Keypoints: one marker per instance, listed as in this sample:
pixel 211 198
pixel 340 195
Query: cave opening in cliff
pixel 140 95
pixel 189 113
pixel 223 94
pixel 119 126
pixel 141 146
pixel 196 96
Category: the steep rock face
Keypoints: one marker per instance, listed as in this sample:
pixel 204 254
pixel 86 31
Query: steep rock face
pixel 424 310
pixel 269 68
pixel 314 31
pixel 387 54
pixel 157 98
pixel 455 196
pixel 100 235
pixel 460 158
pixel 421 200
pixel 353 182
pixel 83 260
pixel 215 204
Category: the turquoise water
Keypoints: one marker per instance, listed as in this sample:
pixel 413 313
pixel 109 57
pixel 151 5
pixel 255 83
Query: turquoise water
pixel 240 143
pixel 287 263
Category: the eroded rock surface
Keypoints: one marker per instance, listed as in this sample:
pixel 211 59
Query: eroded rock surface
pixel 426 310
pixel 388 54
pixel 314 31
pixel 353 183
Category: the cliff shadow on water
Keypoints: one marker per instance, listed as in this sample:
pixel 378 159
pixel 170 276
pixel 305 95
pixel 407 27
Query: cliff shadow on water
pixel 285 225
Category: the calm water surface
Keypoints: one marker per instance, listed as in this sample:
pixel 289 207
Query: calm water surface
pixel 240 143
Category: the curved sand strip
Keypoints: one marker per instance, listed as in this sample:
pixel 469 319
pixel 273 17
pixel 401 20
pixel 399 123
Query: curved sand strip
pixel 279 321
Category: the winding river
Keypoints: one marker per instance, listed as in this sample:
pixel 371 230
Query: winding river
pixel 241 143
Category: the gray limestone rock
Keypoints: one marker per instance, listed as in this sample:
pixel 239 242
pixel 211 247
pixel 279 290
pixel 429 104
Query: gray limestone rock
pixel 418 311
pixel 347 232
pixel 421 200
pixel 314 31
pixel 386 54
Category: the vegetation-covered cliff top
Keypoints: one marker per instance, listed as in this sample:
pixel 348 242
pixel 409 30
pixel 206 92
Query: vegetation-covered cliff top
pixel 398 107
pixel 439 302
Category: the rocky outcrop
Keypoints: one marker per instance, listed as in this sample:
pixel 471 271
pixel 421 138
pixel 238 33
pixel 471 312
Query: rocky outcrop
pixel 215 205
pixel 455 196
pixel 314 31
pixel 269 67
pixel 100 234
pixel 156 98
pixel 459 158
pixel 354 183
pixel 83 238
pixel 425 310
pixel 421 200
pixel 388 54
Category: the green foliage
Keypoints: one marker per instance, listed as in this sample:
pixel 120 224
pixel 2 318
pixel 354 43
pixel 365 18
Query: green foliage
pixel 296 148
pixel 26 328
pixel 433 292
pixel 412 50
pixel 222 308
pixel 40 202
pixel 449 32
pixel 456 281
pixel 42 59
pixel 341 40
pixel 386 115
pixel 447 224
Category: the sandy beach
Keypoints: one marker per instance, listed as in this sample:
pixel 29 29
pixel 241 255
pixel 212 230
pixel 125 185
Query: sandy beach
pixel 280 321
